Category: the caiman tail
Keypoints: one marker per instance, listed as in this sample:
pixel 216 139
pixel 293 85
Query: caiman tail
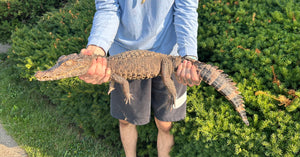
pixel 223 84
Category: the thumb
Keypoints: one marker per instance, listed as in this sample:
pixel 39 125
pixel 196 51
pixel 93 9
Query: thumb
pixel 86 52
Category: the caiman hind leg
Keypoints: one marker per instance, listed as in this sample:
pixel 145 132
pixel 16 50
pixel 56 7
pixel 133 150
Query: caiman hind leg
pixel 125 85
pixel 166 72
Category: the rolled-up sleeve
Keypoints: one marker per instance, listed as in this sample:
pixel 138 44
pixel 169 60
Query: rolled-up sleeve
pixel 186 26
pixel 105 24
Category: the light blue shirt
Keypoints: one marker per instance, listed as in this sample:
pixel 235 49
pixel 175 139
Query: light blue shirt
pixel 164 26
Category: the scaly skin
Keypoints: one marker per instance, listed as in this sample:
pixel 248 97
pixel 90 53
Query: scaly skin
pixel 142 64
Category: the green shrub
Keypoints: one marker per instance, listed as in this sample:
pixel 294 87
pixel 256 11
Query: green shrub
pixel 61 32
pixel 256 42
pixel 16 13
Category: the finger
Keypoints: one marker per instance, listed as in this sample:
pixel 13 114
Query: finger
pixel 92 69
pixel 107 75
pixel 94 79
pixel 188 74
pixel 83 51
pixel 82 77
pixel 183 72
pixel 104 64
pixel 105 78
pixel 179 69
pixel 188 71
pixel 178 72
pixel 86 52
pixel 100 68
pixel 195 77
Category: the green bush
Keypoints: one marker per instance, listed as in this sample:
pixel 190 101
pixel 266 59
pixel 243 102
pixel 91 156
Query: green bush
pixel 256 42
pixel 61 32
pixel 16 13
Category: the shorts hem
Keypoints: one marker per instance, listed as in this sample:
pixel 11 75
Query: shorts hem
pixel 171 119
pixel 134 122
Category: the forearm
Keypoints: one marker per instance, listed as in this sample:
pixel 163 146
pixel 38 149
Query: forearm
pixel 105 24
pixel 186 26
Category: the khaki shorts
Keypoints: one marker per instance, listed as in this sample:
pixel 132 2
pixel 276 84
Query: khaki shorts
pixel 149 94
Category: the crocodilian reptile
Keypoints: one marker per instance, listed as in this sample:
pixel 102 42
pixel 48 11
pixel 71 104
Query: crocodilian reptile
pixel 142 64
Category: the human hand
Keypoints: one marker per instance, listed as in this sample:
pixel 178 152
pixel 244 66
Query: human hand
pixel 98 72
pixel 187 74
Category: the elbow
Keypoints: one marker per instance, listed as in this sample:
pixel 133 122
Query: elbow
pixel 109 5
pixel 186 7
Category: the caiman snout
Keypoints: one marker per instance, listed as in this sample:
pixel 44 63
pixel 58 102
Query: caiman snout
pixel 41 76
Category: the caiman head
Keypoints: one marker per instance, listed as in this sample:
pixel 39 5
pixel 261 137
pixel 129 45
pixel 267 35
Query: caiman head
pixel 67 66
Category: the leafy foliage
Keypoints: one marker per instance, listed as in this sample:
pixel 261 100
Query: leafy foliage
pixel 60 32
pixel 255 42
pixel 16 13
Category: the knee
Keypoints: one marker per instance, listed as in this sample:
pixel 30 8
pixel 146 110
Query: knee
pixel 124 123
pixel 163 126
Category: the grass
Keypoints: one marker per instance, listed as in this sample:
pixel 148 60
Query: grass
pixel 36 126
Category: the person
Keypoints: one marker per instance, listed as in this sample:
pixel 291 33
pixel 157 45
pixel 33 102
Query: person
pixel 162 26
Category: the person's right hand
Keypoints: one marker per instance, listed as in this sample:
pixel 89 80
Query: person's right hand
pixel 187 74
pixel 98 72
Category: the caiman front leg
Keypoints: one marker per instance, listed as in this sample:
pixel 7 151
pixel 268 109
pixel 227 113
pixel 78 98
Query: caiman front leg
pixel 125 85
pixel 111 86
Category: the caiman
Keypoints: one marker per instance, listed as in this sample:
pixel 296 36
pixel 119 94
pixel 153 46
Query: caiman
pixel 143 64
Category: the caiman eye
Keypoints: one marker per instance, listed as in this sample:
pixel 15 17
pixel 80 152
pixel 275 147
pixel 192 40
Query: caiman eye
pixel 68 63
pixel 61 57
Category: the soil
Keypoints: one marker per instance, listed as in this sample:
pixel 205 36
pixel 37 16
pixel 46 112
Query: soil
pixel 11 151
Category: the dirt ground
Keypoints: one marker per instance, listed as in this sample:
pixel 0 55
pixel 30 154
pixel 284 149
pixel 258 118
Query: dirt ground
pixel 11 151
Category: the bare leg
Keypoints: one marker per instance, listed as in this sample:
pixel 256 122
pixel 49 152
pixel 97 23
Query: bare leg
pixel 129 136
pixel 165 140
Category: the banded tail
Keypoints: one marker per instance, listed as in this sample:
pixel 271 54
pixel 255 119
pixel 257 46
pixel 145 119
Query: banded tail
pixel 223 84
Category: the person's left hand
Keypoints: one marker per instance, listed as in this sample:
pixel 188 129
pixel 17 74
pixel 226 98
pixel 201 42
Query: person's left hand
pixel 187 74
pixel 98 72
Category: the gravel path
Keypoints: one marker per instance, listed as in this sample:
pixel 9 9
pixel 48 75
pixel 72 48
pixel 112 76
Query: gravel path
pixel 8 146
pixel 4 47
pixel 5 139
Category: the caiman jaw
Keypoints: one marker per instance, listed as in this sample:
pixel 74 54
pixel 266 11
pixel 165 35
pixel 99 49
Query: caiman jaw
pixel 45 76
pixel 54 75
pixel 40 76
